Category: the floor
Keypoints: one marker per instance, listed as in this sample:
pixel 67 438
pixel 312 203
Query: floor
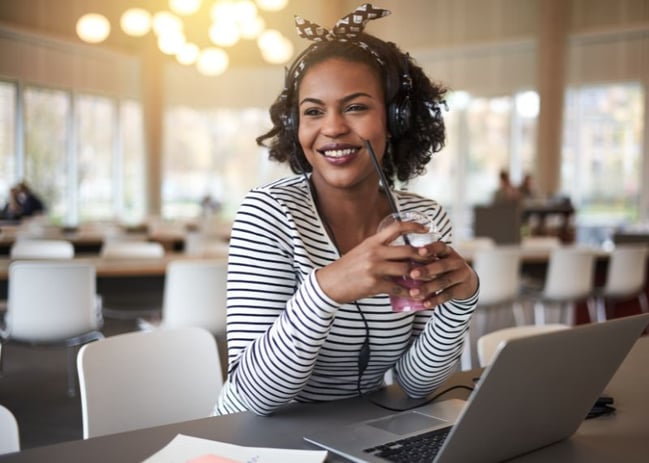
pixel 33 386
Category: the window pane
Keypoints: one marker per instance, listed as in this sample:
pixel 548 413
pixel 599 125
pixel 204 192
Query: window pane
pixel 95 118
pixel 602 152
pixel 133 174
pixel 213 152
pixel 7 139
pixel 46 138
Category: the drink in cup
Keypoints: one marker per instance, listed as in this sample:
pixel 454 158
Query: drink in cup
pixel 401 303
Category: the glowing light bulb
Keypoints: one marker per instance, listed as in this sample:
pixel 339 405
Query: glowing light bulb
pixel 93 28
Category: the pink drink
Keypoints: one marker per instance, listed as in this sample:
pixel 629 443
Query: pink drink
pixel 403 303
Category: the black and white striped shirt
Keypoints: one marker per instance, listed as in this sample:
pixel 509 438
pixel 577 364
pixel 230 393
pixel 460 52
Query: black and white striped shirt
pixel 288 341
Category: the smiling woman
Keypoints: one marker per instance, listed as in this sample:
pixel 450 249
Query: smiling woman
pixel 309 275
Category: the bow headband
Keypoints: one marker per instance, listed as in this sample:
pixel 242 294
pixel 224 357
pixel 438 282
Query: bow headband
pixel 347 29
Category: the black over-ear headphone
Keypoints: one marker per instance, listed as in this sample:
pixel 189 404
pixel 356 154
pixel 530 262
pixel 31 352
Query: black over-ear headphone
pixel 399 110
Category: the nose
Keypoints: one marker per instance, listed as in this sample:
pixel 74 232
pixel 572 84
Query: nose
pixel 334 124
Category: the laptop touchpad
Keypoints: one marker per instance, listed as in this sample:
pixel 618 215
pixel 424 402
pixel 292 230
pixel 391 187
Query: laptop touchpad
pixel 406 423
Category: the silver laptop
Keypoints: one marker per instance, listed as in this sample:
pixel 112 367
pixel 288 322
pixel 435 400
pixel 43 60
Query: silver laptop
pixel 537 391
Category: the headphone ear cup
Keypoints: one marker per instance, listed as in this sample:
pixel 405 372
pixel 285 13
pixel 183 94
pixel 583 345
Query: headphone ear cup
pixel 289 120
pixel 399 117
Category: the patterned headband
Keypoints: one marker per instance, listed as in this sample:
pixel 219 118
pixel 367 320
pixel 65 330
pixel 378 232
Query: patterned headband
pixel 347 29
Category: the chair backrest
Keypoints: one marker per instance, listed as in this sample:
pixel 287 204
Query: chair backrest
pixel 9 436
pixel 467 247
pixel 194 294
pixel 41 249
pixel 148 378
pixel 627 269
pixel 570 274
pixel 50 300
pixel 499 272
pixel 132 250
pixel 501 221
pixel 541 243
pixel 489 344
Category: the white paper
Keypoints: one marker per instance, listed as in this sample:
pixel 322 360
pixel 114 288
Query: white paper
pixel 186 449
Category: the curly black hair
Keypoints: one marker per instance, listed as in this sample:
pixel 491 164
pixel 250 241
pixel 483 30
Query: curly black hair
pixel 402 79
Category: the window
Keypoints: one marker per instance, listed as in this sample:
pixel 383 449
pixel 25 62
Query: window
pixel 602 152
pixel 96 121
pixel 7 139
pixel 84 155
pixel 484 135
pixel 46 147
pixel 213 152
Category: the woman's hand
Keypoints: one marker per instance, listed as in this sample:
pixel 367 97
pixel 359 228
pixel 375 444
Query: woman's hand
pixel 369 269
pixel 447 276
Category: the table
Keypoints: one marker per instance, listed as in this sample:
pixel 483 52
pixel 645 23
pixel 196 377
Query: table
pixel 623 436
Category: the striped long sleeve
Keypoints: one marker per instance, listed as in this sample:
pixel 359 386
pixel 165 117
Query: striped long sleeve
pixel 288 341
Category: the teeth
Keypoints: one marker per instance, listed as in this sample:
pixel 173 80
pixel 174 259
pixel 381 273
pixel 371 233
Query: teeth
pixel 339 153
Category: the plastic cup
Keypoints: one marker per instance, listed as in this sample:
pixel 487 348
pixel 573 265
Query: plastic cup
pixel 401 303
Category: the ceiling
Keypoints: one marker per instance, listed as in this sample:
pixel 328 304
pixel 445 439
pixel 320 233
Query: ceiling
pixel 58 19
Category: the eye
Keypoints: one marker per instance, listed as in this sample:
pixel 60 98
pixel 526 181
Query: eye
pixel 312 112
pixel 356 107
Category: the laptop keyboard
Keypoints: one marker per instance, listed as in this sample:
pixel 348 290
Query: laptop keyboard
pixel 421 448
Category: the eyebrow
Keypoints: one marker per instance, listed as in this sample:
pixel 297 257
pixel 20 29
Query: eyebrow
pixel 343 100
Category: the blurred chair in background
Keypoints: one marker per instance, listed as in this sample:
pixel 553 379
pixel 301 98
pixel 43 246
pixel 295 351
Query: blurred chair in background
pixel 194 295
pixel 499 304
pixel 568 280
pixel 625 280
pixel 41 249
pixel 9 436
pixel 131 250
pixel 121 306
pixel 148 378
pixel 490 343
pixel 52 304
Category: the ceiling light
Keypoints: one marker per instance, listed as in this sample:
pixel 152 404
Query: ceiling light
pixel 184 7
pixel 164 21
pixel 280 53
pixel 271 5
pixel 252 29
pixel 136 22
pixel 212 61
pixel 188 54
pixel 93 28
pixel 224 34
pixel 171 42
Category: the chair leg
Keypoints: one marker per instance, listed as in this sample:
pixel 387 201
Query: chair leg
pixel 539 313
pixel 519 314
pixel 465 359
pixel 601 310
pixel 644 304
pixel 72 371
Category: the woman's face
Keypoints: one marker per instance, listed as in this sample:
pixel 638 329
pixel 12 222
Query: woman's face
pixel 341 103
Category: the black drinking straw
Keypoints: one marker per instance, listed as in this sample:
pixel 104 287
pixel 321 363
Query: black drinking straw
pixel 386 186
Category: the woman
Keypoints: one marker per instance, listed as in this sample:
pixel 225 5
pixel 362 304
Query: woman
pixel 309 318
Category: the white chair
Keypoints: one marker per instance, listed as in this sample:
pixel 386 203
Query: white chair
pixel 499 304
pixel 41 249
pixel 625 280
pixel 52 303
pixel 540 243
pixel 468 246
pixel 194 295
pixel 490 343
pixel 9 436
pixel 132 250
pixel 148 378
pixel 568 280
